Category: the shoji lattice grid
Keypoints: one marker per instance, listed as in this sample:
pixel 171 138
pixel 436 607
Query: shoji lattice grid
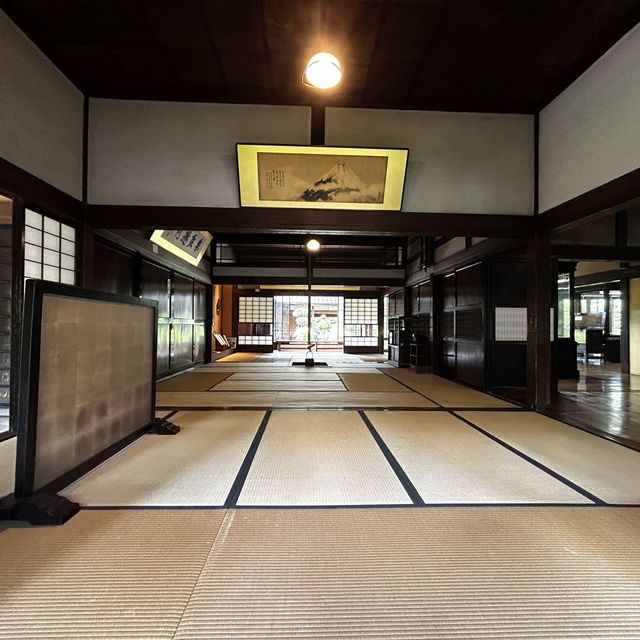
pixel 49 249
pixel 256 313
pixel 511 324
pixel 361 322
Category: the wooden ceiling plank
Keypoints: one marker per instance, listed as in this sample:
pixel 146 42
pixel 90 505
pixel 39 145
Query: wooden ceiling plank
pixel 114 59
pixel 391 49
pixel 212 45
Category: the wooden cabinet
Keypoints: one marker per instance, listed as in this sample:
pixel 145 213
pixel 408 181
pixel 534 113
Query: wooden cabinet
pixel 399 341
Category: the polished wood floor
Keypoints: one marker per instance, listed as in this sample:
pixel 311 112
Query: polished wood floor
pixel 603 399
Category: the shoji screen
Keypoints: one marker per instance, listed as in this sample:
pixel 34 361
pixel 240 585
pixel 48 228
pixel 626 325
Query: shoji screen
pixel 255 322
pixel 361 323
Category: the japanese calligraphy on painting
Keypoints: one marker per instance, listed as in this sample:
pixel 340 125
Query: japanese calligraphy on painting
pixel 186 244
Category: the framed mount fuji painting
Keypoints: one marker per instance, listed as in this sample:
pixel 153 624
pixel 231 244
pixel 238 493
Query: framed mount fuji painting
pixel 303 177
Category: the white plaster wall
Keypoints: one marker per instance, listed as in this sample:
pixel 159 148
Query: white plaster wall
pixel 590 134
pixel 179 153
pixel 458 162
pixel 40 113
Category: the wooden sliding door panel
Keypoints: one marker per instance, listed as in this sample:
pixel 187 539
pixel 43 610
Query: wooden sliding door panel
pixel 182 302
pixel 162 362
pixel 181 345
pixel 115 272
pixel 155 284
pixel 198 342
pixel 199 302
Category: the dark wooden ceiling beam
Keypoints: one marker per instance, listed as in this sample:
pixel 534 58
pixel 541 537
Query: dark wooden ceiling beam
pixel 293 239
pixel 256 220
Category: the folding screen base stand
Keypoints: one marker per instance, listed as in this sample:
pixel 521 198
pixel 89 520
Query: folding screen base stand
pixel 162 427
pixel 39 509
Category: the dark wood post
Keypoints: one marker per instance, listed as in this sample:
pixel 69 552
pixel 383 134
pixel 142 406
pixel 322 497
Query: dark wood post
pixel 86 256
pixel 539 304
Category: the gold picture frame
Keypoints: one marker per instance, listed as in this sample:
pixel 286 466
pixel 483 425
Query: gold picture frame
pixel 188 245
pixel 307 177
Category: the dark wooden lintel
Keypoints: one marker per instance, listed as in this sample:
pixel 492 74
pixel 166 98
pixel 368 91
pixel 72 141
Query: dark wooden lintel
pixel 595 252
pixel 488 247
pixel 611 197
pixel 301 239
pixel 37 193
pixel 257 220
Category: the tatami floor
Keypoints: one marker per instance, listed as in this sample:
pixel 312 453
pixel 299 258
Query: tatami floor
pixel 352 500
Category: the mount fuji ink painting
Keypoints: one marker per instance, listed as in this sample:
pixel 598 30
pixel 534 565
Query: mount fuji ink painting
pixel 298 177
pixel 321 177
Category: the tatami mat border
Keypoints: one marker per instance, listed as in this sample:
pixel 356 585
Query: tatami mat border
pixel 412 492
pixel 243 472
pixel 533 461
pixel 412 389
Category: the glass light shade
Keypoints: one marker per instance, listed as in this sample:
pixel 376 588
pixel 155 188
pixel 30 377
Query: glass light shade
pixel 313 244
pixel 323 71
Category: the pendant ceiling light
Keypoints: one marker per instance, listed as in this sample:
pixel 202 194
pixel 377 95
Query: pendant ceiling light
pixel 323 71
pixel 313 244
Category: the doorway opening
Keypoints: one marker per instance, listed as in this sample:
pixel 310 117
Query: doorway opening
pixel 594 349
pixel 291 319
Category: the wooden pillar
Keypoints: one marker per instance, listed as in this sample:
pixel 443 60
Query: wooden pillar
pixel 17 303
pixel 317 123
pixel 624 329
pixel 86 256
pixel 380 323
pixel 539 304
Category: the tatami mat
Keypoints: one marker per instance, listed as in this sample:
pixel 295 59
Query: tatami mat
pixel 103 574
pixel 449 462
pixel 284 375
pixel 320 458
pixel 279 385
pixel 448 573
pixel 353 399
pixel 240 356
pixel 373 357
pixel 7 466
pixel 370 383
pixel 192 381
pixel 195 467
pixel 293 399
pixel 209 399
pixel 607 470
pixel 445 392
pixel 270 367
